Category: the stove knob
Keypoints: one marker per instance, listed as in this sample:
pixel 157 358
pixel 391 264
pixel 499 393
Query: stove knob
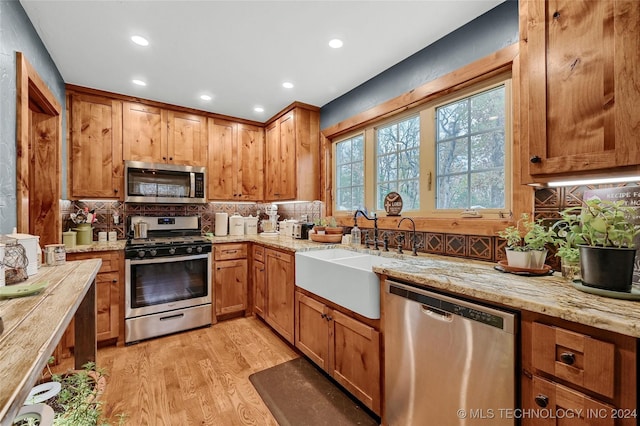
pixel 172 250
pixel 141 253
pixel 189 249
pixel 153 252
pixel 199 249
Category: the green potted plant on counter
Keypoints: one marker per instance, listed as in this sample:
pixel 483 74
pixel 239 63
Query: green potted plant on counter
pixel 526 243
pixel 604 232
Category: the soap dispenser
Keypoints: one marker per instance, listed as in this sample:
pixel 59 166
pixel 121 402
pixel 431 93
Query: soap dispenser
pixel 356 235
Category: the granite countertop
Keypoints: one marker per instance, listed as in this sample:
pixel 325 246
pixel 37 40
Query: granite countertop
pixel 96 246
pixel 549 295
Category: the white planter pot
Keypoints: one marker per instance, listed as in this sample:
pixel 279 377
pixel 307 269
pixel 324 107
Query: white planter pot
pixel 518 259
pixel 537 259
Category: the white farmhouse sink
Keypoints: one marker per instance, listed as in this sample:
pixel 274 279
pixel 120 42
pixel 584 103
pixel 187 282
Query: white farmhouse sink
pixel 342 276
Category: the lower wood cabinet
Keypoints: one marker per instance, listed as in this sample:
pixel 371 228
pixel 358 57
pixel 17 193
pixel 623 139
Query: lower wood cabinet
pixel 230 278
pixel 259 282
pixel 279 292
pixel 109 282
pixel 578 373
pixel 346 348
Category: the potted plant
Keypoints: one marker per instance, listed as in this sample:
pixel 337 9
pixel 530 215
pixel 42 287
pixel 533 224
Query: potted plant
pixel 526 243
pixel 567 245
pixel 332 226
pixel 604 232
pixel 319 226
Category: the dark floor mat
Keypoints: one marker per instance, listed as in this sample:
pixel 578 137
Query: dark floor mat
pixel 297 394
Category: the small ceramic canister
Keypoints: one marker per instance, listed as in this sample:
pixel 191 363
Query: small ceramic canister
pixel 113 236
pixel 102 237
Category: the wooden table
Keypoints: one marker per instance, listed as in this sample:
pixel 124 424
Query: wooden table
pixel 33 326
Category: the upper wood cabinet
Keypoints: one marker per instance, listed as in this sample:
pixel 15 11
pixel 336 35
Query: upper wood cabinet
pixel 95 147
pixel 156 135
pixel 292 152
pixel 236 161
pixel 580 74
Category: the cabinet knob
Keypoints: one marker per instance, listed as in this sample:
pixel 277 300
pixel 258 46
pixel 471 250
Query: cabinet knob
pixel 115 191
pixel 323 315
pixel 535 159
pixel 164 158
pixel 329 317
pixel 114 281
pixel 542 400
pixel 568 358
pixel 170 158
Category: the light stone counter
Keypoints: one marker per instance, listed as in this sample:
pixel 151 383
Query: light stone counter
pixel 549 295
pixel 96 246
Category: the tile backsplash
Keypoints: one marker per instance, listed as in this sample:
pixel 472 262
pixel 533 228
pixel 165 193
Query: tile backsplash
pixel 105 210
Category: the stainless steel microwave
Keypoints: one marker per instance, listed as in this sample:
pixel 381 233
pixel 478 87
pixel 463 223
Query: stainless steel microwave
pixel 164 183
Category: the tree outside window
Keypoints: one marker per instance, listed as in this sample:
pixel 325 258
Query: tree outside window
pixel 470 152
pixel 398 162
pixel 350 174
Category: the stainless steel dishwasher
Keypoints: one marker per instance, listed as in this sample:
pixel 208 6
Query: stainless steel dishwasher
pixel 447 361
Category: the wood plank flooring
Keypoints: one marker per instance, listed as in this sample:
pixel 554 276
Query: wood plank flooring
pixel 199 377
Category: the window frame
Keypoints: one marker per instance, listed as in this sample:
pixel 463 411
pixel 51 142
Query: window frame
pixel 427 182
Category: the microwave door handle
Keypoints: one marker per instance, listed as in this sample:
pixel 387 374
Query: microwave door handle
pixel 192 184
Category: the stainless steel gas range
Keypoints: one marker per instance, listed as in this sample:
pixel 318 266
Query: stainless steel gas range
pixel 167 278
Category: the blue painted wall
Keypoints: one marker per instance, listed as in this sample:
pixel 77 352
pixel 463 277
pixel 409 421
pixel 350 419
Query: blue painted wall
pixel 486 34
pixel 17 34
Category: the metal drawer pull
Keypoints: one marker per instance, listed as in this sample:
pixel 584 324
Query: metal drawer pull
pixel 171 317
pixel 568 358
pixel 542 400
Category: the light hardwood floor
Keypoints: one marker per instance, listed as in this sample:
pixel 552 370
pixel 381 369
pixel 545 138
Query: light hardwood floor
pixel 199 377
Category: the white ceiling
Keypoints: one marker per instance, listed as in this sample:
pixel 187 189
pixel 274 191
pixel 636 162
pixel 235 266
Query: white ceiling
pixel 239 52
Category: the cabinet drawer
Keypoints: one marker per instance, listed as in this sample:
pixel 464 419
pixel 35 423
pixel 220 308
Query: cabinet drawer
pixel 258 253
pixel 230 251
pixel 574 357
pixel 569 404
pixel 110 260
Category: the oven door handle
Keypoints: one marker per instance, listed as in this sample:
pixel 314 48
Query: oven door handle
pixel 167 259
pixel 171 317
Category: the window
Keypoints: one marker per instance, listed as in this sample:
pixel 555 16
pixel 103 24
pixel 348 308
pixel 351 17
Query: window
pixel 398 162
pixel 349 160
pixel 470 152
pixel 444 157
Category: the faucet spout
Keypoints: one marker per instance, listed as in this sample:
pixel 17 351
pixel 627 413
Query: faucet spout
pixel 375 226
pixel 414 240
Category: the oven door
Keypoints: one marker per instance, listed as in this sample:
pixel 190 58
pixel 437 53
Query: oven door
pixel 166 283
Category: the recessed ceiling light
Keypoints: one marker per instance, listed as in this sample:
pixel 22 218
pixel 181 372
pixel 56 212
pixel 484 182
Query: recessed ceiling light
pixel 336 43
pixel 287 85
pixel 258 109
pixel 139 82
pixel 140 40
pixel 205 97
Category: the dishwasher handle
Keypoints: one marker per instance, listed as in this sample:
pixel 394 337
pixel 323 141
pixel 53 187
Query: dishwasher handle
pixel 437 314
pixel 439 303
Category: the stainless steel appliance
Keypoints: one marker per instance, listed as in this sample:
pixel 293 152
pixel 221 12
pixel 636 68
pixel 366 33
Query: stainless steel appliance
pixel 447 361
pixel 164 183
pixel 167 278
pixel 301 230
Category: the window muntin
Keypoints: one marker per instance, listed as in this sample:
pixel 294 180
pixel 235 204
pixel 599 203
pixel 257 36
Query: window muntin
pixel 349 173
pixel 470 152
pixel 398 162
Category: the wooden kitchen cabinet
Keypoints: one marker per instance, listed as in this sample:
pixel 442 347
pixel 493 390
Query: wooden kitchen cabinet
pixel 157 135
pixel 347 349
pixel 580 86
pixel 586 372
pixel 279 292
pixel 230 277
pixel 236 161
pixel 109 287
pixel 292 155
pixel 95 147
pixel 259 281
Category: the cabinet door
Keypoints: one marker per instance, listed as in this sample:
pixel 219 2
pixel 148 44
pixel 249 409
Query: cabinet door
pixel 581 84
pixel 230 280
pixel 250 161
pixel 107 301
pixel 222 147
pixel 287 158
pixel 186 139
pixel 96 147
pixel 568 406
pixel 259 288
pixel 280 292
pixel 312 329
pixel 355 358
pixel 144 133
